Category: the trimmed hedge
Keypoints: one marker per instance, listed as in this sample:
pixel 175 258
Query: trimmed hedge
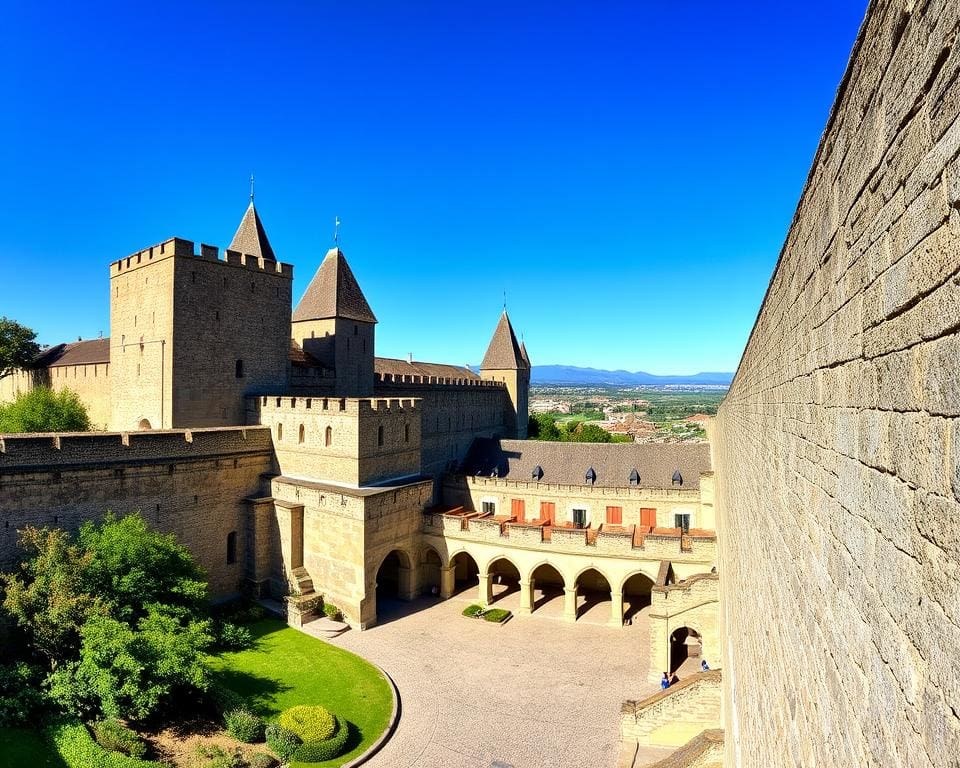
pixel 244 726
pixel 309 723
pixel 282 741
pixel 113 735
pixel 497 615
pixel 472 610
pixel 317 751
pixel 76 747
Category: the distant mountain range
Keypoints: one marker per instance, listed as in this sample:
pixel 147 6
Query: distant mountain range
pixel 571 374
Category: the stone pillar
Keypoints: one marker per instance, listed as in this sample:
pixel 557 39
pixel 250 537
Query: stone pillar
pixel 447 582
pixel 407 585
pixel 526 597
pixel 570 604
pixel 616 609
pixel 486 590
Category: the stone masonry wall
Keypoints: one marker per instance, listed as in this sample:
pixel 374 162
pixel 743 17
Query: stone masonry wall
pixel 837 450
pixel 191 484
pixel 90 382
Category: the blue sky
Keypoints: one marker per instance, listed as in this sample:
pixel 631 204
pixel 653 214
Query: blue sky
pixel 625 171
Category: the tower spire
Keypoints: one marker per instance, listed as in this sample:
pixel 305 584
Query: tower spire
pixel 251 187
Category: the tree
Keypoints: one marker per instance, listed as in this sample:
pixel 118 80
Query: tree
pixel 43 410
pixel 590 433
pixel 17 346
pixel 542 427
pixel 48 597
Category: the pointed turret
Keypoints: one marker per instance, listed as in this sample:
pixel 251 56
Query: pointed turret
pixel 506 361
pixel 334 323
pixel 523 353
pixel 334 292
pixel 251 237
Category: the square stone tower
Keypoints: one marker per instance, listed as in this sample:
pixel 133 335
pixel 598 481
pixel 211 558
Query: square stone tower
pixel 192 334
pixel 506 361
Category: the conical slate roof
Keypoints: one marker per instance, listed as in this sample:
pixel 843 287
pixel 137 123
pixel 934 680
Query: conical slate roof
pixel 504 352
pixel 251 238
pixel 523 354
pixel 334 292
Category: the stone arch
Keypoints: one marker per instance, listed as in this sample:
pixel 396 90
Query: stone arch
pixel 431 563
pixel 594 593
pixel 637 591
pixel 466 572
pixel 686 643
pixel 393 574
pixel 550 589
pixel 504 577
pixel 143 425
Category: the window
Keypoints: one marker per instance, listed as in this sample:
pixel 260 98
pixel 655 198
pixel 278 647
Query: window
pixel 682 521
pixel 518 510
pixel 328 436
pixel 231 547
pixel 239 369
pixel 380 435
pixel 634 477
pixel 537 473
pixel 579 517
pixel 355 330
pixel 591 476
pixel 548 511
pixel 300 435
pixel 615 515
pixel 648 517
pixel 406 433
pixel 677 478
pixel 488 506
pixel 279 431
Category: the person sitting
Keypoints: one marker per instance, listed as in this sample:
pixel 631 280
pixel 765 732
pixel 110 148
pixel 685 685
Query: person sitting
pixel 664 681
pixel 704 667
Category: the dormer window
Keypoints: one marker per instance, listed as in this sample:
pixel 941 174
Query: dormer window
pixel 591 476
pixel 537 473
pixel 634 477
pixel 677 478
pixel 495 472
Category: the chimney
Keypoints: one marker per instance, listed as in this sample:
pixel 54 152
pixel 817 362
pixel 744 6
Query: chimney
pixel 410 358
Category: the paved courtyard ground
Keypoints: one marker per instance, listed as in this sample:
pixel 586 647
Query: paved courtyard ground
pixel 536 692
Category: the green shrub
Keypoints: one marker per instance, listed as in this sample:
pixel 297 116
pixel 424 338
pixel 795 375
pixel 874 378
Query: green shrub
pixel 318 750
pixel 282 741
pixel 77 749
pixel 232 637
pixel 225 699
pixel 114 735
pixel 497 615
pixel 262 760
pixel 21 695
pixel 332 612
pixel 244 726
pixel 309 723
pixel 217 757
pixel 472 610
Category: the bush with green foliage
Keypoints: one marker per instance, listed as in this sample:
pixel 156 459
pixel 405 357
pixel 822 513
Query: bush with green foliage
pixel 472 610
pixel 244 726
pixel 217 757
pixel 262 760
pixel 283 742
pixel 77 749
pixel 21 697
pixel 310 723
pixel 120 615
pixel 113 735
pixel 43 410
pixel 18 346
pixel 318 750
pixel 332 612
pixel 496 615
pixel 225 699
pixel 231 637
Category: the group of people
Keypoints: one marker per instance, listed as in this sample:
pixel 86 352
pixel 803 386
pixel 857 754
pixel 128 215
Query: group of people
pixel 667 680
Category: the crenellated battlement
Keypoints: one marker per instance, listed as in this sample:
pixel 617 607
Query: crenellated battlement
pixel 24 452
pixel 392 378
pixel 282 404
pixel 177 246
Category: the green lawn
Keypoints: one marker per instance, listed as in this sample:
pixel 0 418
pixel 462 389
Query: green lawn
pixel 21 748
pixel 286 667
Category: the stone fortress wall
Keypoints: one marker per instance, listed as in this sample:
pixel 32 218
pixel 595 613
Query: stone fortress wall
pixel 191 483
pixel 91 383
pixel 837 449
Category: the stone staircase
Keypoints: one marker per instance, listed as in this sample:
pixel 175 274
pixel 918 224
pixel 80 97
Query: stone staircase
pixel 303 581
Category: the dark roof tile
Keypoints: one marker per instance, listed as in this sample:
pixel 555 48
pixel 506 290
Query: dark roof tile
pixel 334 292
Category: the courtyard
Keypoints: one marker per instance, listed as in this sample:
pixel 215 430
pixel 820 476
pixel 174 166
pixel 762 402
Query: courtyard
pixel 536 692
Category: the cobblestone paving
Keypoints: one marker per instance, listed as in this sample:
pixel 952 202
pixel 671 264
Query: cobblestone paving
pixel 534 693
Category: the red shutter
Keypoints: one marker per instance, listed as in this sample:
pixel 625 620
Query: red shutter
pixel 648 517
pixel 518 510
pixel 547 511
pixel 615 515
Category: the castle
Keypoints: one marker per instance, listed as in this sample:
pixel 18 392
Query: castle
pixel 293 461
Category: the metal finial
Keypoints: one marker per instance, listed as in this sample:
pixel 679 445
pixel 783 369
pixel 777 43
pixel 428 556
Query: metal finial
pixel 336 232
pixel 504 301
pixel 251 187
